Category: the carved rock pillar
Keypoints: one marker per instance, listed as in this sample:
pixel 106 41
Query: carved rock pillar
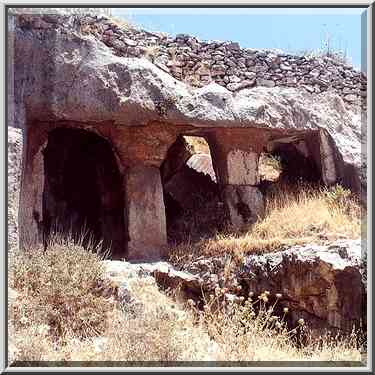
pixel 145 213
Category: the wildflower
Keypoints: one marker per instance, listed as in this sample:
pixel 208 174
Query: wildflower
pixel 211 296
pixel 23 320
pixel 238 288
pixel 278 295
pixel 265 299
pixel 242 298
pixel 278 325
pixel 274 317
pixel 301 322
pixel 217 291
pixel 251 294
pixel 267 293
pixel 252 314
pixel 285 309
pixel 191 302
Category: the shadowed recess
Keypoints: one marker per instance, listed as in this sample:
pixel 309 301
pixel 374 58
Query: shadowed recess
pixel 83 192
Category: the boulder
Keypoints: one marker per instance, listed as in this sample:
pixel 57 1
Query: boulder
pixel 323 284
pixel 326 285
pixel 244 203
pixel 126 276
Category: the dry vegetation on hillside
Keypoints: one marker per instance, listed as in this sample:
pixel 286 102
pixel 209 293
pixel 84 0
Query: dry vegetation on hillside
pixel 293 216
pixel 61 313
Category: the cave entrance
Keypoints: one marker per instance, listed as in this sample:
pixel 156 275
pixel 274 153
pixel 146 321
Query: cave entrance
pixel 83 195
pixel 291 160
pixel 191 194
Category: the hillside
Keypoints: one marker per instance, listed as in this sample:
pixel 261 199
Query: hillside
pixel 174 200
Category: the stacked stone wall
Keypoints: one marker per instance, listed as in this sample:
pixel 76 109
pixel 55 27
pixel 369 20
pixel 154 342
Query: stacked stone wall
pixel 199 63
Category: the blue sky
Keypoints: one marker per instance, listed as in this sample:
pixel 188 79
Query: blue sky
pixel 291 30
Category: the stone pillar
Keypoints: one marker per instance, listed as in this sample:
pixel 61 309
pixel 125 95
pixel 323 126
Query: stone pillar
pixel 30 215
pixel 235 159
pixel 243 199
pixel 328 160
pixel 145 213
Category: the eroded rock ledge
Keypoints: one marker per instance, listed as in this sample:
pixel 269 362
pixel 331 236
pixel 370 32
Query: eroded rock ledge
pixel 66 83
pixel 323 284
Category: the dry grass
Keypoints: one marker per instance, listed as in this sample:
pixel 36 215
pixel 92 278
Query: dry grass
pixel 292 217
pixel 250 331
pixel 269 167
pixel 151 52
pixel 95 328
pixel 59 291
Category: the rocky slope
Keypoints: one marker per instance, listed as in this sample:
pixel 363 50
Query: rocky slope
pixel 79 70
pixel 325 285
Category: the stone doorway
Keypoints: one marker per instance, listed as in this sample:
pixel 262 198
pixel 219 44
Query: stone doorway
pixel 83 194
pixel 191 194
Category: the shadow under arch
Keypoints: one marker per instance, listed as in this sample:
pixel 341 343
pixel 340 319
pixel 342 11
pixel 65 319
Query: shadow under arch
pixel 83 193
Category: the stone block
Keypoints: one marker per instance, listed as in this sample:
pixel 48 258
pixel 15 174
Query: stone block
pixel 244 204
pixel 242 167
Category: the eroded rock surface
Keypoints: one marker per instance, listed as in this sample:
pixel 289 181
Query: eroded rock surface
pixel 324 284
pixel 200 62
pixel 66 74
pixel 14 183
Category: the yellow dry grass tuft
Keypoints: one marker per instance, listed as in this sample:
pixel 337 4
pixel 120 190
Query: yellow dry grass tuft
pixel 250 331
pixel 292 217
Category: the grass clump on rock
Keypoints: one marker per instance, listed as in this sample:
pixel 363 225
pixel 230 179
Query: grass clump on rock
pixel 57 313
pixel 293 216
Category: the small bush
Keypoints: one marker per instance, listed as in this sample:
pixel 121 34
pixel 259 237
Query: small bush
pixel 337 196
pixel 250 330
pixel 60 291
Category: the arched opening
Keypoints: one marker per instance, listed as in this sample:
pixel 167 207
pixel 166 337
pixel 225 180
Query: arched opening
pixel 191 194
pixel 290 161
pixel 83 195
pixel 297 164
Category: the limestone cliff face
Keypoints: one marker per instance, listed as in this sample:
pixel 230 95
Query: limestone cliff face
pixel 73 72
pixel 61 73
